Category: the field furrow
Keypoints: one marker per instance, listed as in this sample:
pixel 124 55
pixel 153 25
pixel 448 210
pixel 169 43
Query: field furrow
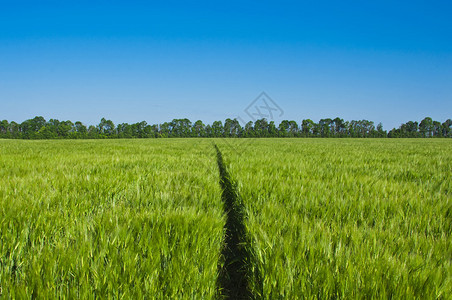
pixel 238 265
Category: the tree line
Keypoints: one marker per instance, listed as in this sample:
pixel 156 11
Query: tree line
pixel 39 128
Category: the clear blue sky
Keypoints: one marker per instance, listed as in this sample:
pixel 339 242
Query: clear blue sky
pixel 128 61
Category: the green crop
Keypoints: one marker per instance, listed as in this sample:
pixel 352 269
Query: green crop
pixel 122 219
pixel 347 218
pixel 304 218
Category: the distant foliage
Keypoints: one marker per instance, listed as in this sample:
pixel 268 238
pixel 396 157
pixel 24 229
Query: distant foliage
pixel 39 128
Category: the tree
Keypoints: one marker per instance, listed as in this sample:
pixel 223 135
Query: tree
pixel 228 128
pixel 293 128
pixel 155 130
pixel 4 128
pixel 217 129
pixel 307 127
pixel 316 130
pixel 339 126
pixel 368 128
pixel 437 129
pixel 148 131
pixel 249 129
pixel 93 132
pixel 283 128
pixel 138 129
pixel 106 127
pixel 30 127
pixel 181 127
pixel 394 133
pixel 46 132
pixel 209 132
pixel 38 128
pixel 80 129
pixel 65 128
pixel 409 129
pixel 199 129
pixel 236 128
pixel 426 127
pixel 261 127
pixel 447 128
pixel 272 131
pixel 325 127
pixel 381 132
pixel 14 130
pixel 165 129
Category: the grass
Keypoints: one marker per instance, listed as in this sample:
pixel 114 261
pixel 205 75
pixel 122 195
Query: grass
pixel 343 218
pixel 290 219
pixel 115 219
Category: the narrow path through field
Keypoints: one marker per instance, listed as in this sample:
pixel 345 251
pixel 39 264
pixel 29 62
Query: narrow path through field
pixel 235 272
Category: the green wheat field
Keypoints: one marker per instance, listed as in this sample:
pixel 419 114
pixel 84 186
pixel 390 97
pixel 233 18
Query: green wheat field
pixel 133 219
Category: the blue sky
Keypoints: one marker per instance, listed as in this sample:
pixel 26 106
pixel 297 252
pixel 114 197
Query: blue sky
pixel 385 61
